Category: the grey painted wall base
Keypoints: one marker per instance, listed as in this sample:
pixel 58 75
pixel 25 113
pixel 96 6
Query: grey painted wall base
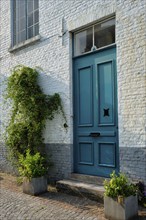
pixel 133 162
pixel 62 158
pixel 5 165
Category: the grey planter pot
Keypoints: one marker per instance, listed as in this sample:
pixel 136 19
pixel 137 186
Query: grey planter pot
pixel 121 211
pixel 35 186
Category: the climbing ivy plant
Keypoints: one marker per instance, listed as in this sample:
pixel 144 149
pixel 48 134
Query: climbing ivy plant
pixel 30 109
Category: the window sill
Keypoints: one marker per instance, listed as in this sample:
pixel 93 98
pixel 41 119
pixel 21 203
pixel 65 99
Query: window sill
pixel 25 43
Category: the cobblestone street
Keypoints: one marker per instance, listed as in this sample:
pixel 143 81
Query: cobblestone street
pixel 52 205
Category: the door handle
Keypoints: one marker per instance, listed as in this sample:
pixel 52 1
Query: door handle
pixel 94 134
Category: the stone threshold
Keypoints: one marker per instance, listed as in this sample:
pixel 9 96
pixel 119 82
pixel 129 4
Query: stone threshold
pixel 83 185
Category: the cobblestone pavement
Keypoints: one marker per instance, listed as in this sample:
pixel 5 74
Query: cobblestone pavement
pixel 15 205
pixel 50 206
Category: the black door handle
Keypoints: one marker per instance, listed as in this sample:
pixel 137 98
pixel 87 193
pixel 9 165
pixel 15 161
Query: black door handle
pixel 94 134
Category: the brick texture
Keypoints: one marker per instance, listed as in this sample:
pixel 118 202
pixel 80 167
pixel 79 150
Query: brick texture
pixel 53 53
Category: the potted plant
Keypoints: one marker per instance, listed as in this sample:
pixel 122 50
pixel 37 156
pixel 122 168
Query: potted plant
pixel 33 169
pixel 120 200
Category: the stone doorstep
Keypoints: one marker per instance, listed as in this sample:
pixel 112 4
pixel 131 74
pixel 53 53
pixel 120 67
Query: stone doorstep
pixel 76 187
pixel 88 179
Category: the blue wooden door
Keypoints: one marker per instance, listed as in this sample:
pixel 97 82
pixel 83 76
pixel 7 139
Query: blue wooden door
pixel 95 113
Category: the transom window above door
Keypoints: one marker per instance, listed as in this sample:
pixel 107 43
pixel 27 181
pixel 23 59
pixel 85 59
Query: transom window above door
pixel 94 37
pixel 25 15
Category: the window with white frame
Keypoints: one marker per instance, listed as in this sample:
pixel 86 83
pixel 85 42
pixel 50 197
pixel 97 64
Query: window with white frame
pixel 94 37
pixel 25 20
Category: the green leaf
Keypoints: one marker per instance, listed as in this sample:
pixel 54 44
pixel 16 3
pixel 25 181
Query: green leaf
pixel 30 109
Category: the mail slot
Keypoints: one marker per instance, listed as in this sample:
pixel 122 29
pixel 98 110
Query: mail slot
pixel 94 134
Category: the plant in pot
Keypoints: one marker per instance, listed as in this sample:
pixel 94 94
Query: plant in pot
pixel 30 108
pixel 33 169
pixel 120 200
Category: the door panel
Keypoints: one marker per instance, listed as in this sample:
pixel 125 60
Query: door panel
pixel 86 153
pixel 106 92
pixel 95 111
pixel 107 154
pixel 85 96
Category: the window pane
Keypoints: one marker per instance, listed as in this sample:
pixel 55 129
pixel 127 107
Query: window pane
pixel 21 10
pixel 30 32
pixel 14 23
pixel 36 16
pixel 22 24
pixel 22 36
pixel 29 6
pixel 36 29
pixel 36 4
pixel 14 39
pixel 16 3
pixel 20 3
pixel 25 20
pixel 30 20
pixel 83 41
pixel 104 33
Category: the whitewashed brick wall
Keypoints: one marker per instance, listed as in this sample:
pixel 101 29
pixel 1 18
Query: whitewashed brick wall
pixel 131 70
pixel 53 54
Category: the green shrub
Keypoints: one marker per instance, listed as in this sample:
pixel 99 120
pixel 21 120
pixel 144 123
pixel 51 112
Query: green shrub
pixel 32 166
pixel 119 186
pixel 30 109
